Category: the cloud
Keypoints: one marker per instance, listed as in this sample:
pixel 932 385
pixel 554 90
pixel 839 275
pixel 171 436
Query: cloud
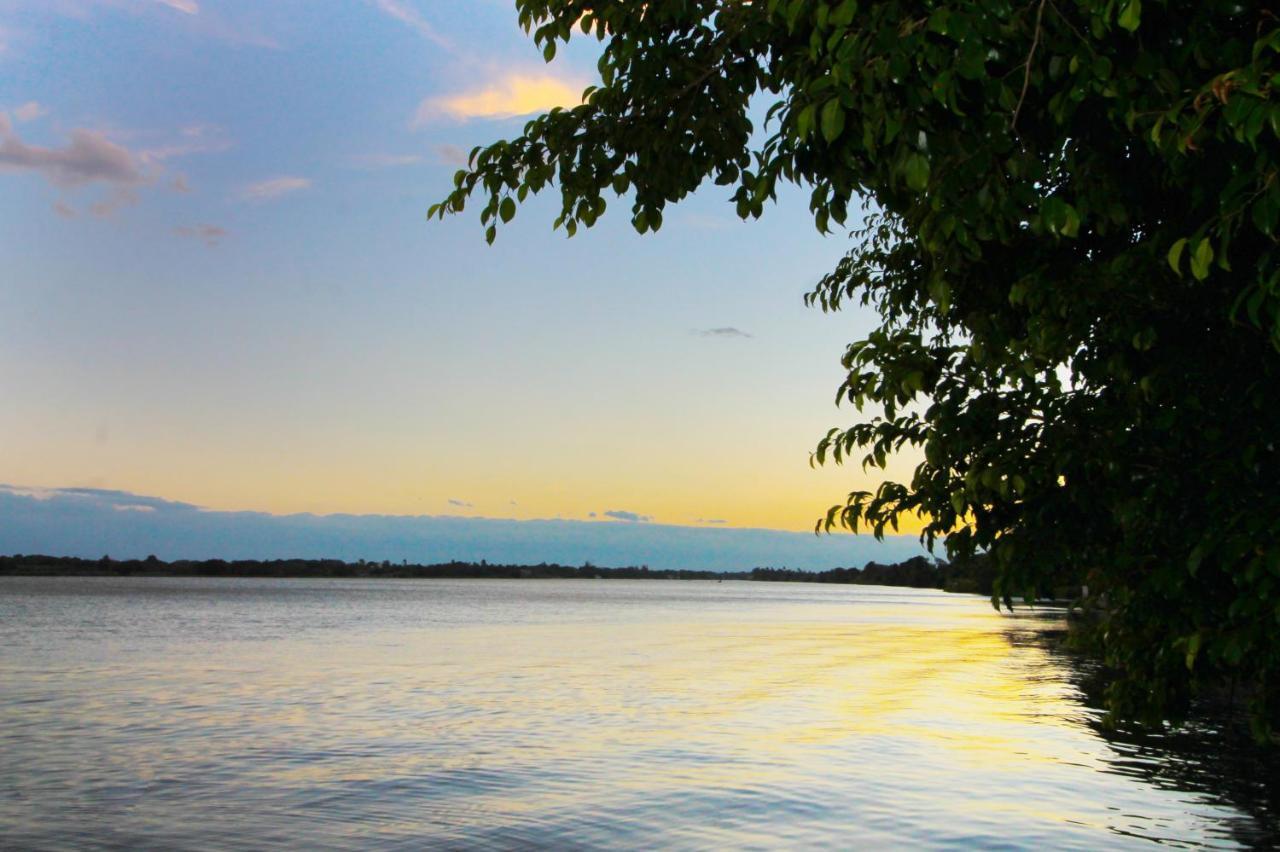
pixel 211 235
pixel 461 503
pixel 515 94
pixel 725 331
pixel 273 188
pixel 188 7
pixel 118 198
pixel 450 155
pixel 87 522
pixel 192 139
pixel 89 157
pixel 386 161
pixel 30 111
pixel 712 521
pixel 65 210
pixel 411 17
pixel 92 157
pixel 630 517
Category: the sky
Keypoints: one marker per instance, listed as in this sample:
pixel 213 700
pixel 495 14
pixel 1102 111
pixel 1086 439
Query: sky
pixel 218 286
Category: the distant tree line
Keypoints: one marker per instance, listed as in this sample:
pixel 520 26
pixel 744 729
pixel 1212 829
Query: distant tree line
pixel 34 565
pixel 974 575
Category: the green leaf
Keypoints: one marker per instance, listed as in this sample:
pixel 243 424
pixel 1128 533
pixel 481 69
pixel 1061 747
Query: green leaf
pixel 1070 221
pixel 1193 649
pixel 1201 258
pixel 1175 254
pixel 1131 15
pixel 843 15
pixel 917 171
pixel 804 121
pixel 507 209
pixel 1194 560
pixel 832 120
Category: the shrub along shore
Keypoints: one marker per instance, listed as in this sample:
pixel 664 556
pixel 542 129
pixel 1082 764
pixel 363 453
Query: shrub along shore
pixel 918 572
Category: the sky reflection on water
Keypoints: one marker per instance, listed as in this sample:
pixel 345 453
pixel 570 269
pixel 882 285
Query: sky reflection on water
pixel 161 713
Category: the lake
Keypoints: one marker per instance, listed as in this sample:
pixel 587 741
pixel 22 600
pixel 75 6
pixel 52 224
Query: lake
pixel 151 713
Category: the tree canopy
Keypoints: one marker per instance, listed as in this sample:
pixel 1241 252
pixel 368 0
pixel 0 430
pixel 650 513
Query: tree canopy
pixel 1065 214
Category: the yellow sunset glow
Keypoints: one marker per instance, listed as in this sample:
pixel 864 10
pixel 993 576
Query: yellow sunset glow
pixel 514 95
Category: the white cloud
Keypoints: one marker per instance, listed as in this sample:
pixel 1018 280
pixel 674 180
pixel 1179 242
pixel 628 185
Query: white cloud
pixel 210 235
pixel 30 111
pixel 386 161
pixel 515 94
pixel 189 7
pixel 406 14
pixel 192 139
pixel 722 332
pixel 273 188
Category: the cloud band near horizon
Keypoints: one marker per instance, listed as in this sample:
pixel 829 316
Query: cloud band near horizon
pixel 89 523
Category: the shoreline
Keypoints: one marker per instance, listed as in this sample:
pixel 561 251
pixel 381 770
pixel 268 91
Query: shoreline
pixel 916 572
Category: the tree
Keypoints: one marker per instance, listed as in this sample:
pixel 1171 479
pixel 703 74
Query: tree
pixel 1069 234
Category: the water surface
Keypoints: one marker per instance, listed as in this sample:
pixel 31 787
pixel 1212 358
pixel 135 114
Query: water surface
pixel 155 713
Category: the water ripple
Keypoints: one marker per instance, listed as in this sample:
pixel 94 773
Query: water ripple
pixel 231 714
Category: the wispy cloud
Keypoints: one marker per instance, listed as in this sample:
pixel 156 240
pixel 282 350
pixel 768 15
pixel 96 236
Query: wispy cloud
pixel 65 210
pixel 188 7
pixel 406 14
pixel 450 155
pixel 191 17
pixel 88 157
pixel 515 94
pixel 120 197
pixel 385 161
pixel 629 517
pixel 192 139
pixel 93 157
pixel 712 521
pixel 463 504
pixel 724 331
pixel 210 235
pixel 273 188
pixel 30 111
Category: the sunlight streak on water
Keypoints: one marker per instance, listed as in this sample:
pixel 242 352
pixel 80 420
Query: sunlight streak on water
pixel 235 714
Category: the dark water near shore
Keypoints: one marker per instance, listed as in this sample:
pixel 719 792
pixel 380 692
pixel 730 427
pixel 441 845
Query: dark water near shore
pixel 350 714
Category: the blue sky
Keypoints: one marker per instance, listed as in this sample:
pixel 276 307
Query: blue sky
pixel 220 288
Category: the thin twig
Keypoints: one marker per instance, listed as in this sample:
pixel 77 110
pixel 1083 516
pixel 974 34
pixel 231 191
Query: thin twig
pixel 1088 45
pixel 1026 77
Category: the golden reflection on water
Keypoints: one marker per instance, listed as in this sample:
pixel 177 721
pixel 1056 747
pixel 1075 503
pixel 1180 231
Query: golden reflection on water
pixel 706 718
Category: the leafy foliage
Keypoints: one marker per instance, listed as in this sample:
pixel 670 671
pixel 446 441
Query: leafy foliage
pixel 1071 210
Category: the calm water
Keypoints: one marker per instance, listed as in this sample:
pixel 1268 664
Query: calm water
pixel 243 714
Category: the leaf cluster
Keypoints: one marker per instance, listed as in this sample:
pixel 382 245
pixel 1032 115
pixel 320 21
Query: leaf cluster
pixel 1069 234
